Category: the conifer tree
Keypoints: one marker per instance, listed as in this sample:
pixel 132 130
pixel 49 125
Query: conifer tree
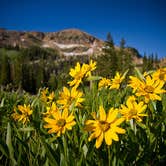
pixel 4 69
pixel 122 43
pixel 107 63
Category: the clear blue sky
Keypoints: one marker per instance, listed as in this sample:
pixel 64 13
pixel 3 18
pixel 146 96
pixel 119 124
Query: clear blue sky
pixel 141 22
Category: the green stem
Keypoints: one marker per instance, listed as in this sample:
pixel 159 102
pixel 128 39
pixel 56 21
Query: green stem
pixel 109 156
pixel 65 149
pixel 133 126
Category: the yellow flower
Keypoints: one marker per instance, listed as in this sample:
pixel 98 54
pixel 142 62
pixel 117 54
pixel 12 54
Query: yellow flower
pixel 50 110
pixel 133 110
pixel 116 81
pixel 44 93
pixel 78 74
pixel 89 68
pixel 105 127
pixel 104 82
pixel 150 89
pixel 134 83
pixel 51 96
pixel 22 113
pixel 160 74
pixel 67 98
pixel 46 96
pixel 60 122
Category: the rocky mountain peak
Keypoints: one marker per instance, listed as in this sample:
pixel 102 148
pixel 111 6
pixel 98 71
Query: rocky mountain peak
pixel 72 36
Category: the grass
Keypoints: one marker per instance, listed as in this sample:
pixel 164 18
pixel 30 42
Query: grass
pixel 144 142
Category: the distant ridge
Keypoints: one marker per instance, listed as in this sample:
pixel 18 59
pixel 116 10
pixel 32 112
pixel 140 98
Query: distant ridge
pixel 68 42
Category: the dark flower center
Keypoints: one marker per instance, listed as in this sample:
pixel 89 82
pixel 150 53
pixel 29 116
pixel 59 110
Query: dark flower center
pixel 133 112
pixel 61 122
pixel 104 125
pixel 149 89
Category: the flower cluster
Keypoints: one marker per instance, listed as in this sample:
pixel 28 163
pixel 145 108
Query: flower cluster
pixel 46 96
pixel 150 87
pixel 80 72
pixel 114 83
pixel 61 110
pixel 22 113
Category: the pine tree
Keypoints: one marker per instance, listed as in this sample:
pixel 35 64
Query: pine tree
pixel 122 43
pixel 107 63
pixel 52 82
pixel 39 72
pixel 4 69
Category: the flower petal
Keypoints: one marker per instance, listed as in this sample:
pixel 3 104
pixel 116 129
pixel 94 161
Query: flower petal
pixel 108 138
pixel 99 140
pixel 102 113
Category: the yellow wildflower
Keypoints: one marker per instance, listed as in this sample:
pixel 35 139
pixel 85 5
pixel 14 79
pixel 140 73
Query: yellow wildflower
pixel 51 96
pixel 160 74
pixel 78 74
pixel 105 127
pixel 44 93
pixel 134 83
pixel 150 89
pixel 50 110
pixel 67 98
pixel 22 113
pixel 116 81
pixel 133 110
pixel 89 68
pixel 60 122
pixel 104 82
pixel 46 96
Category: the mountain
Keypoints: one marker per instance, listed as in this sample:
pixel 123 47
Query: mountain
pixel 69 42
pixel 73 42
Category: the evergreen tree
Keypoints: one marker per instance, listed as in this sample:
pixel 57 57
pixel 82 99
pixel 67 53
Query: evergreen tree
pixel 4 69
pixel 107 63
pixel 39 72
pixel 122 43
pixel 52 82
pixel 16 70
pixel 109 40
pixel 147 62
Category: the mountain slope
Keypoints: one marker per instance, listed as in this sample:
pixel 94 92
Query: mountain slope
pixel 69 42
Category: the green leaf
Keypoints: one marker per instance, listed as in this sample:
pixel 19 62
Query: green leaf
pixel 139 74
pixel 9 144
pixel 85 150
pixel 2 102
pixel 4 148
pixel 143 126
pixel 50 154
pixel 125 73
pixel 94 78
pixel 27 129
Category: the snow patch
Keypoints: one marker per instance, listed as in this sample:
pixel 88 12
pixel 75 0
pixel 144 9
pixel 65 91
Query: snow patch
pixel 62 46
pixel 89 52
pixel 45 45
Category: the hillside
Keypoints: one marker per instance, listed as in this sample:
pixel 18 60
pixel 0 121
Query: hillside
pixel 69 42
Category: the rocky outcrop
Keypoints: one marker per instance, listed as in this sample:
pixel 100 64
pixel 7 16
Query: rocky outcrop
pixel 69 42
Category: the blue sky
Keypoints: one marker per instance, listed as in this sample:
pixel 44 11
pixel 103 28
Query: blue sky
pixel 141 22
